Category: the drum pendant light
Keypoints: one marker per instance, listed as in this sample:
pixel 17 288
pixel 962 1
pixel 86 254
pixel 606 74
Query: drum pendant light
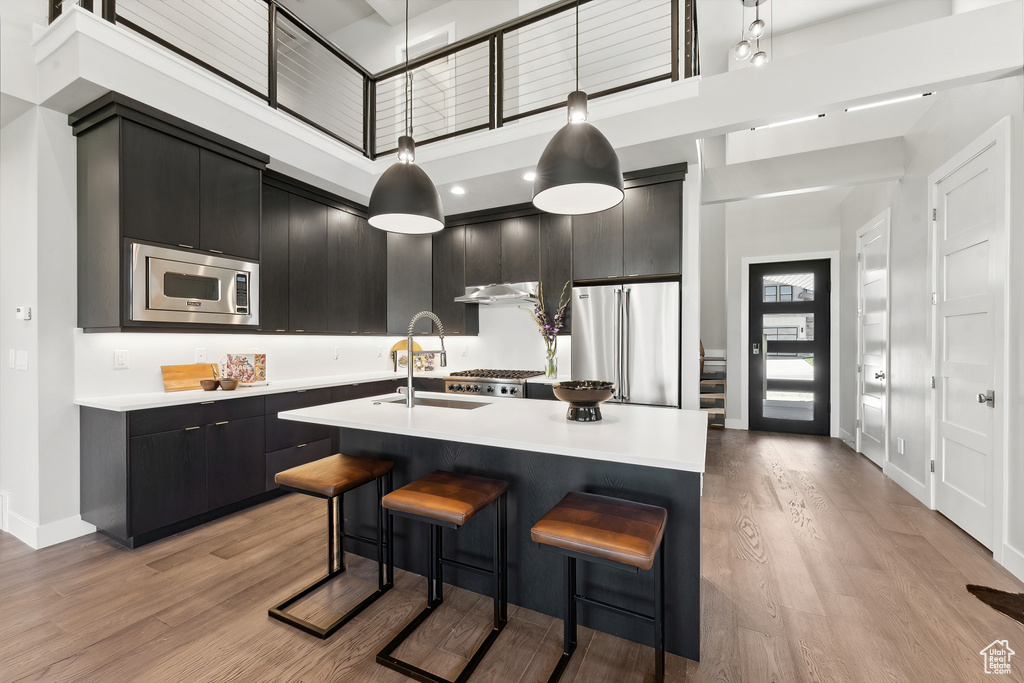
pixel 404 199
pixel 578 172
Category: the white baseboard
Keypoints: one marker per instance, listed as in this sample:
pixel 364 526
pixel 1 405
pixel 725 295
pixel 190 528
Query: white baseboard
pixel 5 498
pixel 733 423
pixel 913 487
pixel 1013 560
pixel 849 438
pixel 42 536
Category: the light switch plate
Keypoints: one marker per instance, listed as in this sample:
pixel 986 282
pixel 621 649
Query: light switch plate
pixel 21 360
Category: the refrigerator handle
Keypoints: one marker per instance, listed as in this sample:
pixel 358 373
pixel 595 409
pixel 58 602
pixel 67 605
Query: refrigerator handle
pixel 618 344
pixel 625 349
pixel 764 366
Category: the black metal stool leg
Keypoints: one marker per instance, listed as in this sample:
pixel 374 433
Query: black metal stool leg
pixel 389 485
pixel 659 615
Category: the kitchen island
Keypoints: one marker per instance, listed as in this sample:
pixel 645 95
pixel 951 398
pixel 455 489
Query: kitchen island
pixel 650 455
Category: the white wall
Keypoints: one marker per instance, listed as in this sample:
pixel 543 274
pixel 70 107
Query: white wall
pixel 953 121
pixel 712 259
pixel 778 226
pixel 38 421
pixel 508 339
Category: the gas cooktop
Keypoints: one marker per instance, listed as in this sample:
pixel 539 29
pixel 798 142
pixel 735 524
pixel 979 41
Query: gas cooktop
pixel 498 374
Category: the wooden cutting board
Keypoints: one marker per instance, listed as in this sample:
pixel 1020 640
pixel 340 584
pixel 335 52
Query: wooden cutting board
pixel 185 377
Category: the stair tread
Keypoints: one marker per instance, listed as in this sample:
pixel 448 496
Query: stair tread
pixel 714 411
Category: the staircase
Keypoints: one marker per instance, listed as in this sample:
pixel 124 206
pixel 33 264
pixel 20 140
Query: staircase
pixel 712 391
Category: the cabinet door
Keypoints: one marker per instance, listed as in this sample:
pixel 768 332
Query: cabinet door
pixel 597 244
pixel 167 472
pixel 342 271
pixel 540 390
pixel 274 260
pixel 520 249
pixel 159 186
pixel 483 254
pixel 373 279
pixel 229 206
pixel 287 433
pixel 556 263
pixel 450 281
pixel 235 461
pixel 307 265
pixel 652 218
pixel 409 280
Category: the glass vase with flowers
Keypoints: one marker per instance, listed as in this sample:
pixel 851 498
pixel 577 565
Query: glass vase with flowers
pixel 550 325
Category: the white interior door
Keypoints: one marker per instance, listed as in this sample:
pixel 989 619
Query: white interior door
pixel 969 221
pixel 873 338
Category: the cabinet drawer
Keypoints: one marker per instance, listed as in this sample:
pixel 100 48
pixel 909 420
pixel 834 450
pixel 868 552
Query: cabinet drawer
pixel 286 458
pixel 155 420
pixel 287 433
pixel 349 392
pixel 540 390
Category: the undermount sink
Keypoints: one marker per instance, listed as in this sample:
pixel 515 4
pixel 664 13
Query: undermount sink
pixel 440 402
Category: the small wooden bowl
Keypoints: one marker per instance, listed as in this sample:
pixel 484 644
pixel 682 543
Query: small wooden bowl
pixel 209 384
pixel 228 384
pixel 584 398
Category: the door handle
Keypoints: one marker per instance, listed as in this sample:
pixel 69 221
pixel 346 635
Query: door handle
pixel 618 344
pixel 880 375
pixel 625 349
pixel 988 397
pixel 764 367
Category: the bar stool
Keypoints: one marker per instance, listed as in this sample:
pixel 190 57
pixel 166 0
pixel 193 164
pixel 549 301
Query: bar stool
pixel 331 478
pixel 449 500
pixel 611 532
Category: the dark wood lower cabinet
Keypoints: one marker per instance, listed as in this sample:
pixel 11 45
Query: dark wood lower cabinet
pixel 234 461
pixel 286 458
pixel 167 473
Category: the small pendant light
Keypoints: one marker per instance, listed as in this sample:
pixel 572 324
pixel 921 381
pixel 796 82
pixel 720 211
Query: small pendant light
pixel 578 172
pixel 404 199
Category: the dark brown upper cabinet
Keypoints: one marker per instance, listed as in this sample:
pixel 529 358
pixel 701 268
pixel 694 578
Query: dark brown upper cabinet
pixel 146 176
pixel 342 271
pixel 409 280
pixel 307 265
pixel 652 219
pixel 159 187
pixel 274 260
pixel 483 254
pixel 449 268
pixel 229 206
pixel 642 236
pixel 520 249
pixel 372 291
pixel 556 262
pixel 597 244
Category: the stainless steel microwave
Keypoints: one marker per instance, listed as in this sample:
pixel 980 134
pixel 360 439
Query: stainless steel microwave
pixel 179 286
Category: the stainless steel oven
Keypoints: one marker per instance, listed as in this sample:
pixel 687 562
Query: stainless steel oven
pixel 178 286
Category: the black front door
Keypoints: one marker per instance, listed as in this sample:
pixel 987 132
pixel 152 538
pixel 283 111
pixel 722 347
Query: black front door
pixel 789 347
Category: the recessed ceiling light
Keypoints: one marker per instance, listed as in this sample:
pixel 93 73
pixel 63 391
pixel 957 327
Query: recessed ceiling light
pixel 458 189
pixel 529 176
pixel 885 102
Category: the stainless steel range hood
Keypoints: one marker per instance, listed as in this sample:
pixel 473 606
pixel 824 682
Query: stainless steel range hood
pixel 521 293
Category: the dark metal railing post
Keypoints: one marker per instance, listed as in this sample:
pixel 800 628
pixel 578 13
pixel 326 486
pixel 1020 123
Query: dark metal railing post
pixel 109 9
pixel 85 4
pixel 53 10
pixel 371 117
pixel 675 37
pixel 692 46
pixel 491 79
pixel 272 54
pixel 368 122
pixel 499 81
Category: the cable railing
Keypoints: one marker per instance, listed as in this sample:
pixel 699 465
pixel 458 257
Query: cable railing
pixel 518 69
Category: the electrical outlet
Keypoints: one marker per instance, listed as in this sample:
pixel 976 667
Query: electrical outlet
pixel 120 359
pixel 899 445
pixel 200 355
pixel 380 351
pixel 335 353
pixel 464 351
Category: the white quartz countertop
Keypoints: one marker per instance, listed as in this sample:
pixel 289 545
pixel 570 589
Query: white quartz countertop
pixel 637 435
pixel 160 399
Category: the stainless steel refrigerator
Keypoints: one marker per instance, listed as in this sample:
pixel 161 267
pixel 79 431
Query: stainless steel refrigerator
pixel 629 334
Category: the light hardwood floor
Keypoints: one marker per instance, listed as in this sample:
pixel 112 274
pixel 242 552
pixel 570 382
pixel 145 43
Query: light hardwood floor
pixel 815 568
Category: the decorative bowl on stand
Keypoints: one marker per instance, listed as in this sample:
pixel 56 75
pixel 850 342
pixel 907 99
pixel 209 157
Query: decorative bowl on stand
pixel 584 398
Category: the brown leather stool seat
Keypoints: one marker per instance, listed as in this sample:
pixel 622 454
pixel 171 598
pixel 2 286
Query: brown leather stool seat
pixel 608 531
pixel 450 499
pixel 446 496
pixel 609 528
pixel 334 475
pixel 331 478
